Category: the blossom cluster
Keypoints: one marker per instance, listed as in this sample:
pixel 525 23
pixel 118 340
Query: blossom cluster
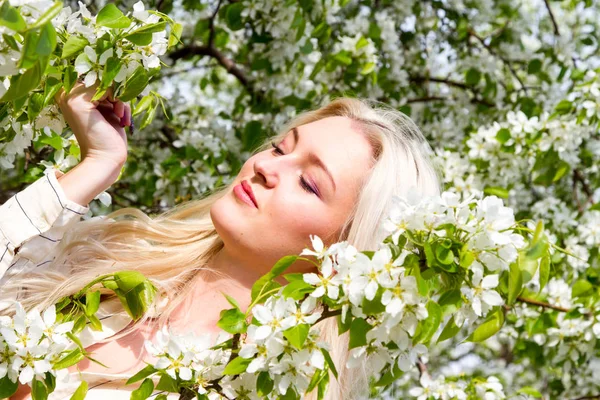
pixel 439 252
pixel 32 345
pixel 107 49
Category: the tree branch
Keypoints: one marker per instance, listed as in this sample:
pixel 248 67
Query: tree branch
pixel 456 84
pixel 554 24
pixel 542 304
pixel 578 177
pixel 506 62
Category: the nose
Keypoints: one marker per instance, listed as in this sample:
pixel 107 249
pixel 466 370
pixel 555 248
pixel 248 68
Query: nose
pixel 267 170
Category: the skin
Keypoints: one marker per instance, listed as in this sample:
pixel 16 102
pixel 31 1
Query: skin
pixel 255 238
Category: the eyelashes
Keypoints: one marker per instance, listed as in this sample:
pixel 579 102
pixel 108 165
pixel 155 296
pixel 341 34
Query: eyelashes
pixel 305 185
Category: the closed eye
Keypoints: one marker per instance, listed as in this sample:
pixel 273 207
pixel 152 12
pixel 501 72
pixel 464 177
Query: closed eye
pixel 303 183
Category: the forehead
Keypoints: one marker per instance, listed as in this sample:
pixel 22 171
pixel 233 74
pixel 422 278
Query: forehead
pixel 342 147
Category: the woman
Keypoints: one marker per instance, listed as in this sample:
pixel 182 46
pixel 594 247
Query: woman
pixel 331 172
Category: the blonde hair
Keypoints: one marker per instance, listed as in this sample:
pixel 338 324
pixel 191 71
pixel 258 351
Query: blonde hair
pixel 165 247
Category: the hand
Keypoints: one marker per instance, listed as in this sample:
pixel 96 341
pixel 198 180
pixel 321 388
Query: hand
pixel 99 125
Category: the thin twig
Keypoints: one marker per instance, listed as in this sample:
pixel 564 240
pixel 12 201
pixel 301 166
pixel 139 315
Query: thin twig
pixel 506 62
pixel 554 24
pixel 542 304
pixel 579 177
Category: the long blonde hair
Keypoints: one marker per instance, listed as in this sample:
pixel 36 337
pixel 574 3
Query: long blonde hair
pixel 173 247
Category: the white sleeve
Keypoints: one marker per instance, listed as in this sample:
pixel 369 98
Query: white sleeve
pixel 33 221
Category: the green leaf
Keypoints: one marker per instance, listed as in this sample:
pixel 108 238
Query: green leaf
pixel 294 276
pixel 143 35
pixel 428 326
pixel 264 384
pixel 237 366
pixel 503 135
pixel 47 40
pixel 72 358
pixel 233 16
pixel 564 107
pixel 69 78
pixel 515 283
pixel 148 119
pixel 344 325
pixel 450 301
pixel 52 87
pixel 233 321
pixel 80 392
pixel 95 323
pixel 544 271
pixel 175 35
pixel 111 17
pixel 11 18
pixel 530 392
pixel 297 289
pixel 111 69
pixel 11 42
pixel 449 331
pixel 358 332
pixel 74 46
pixel 50 382
pixel 472 76
pixel 34 107
pixel 534 66
pixel 7 387
pixel 55 141
pixel 129 280
pixel 581 288
pixel 297 335
pixel 21 85
pixel 144 373
pixel 281 265
pixel 496 191
pixel 330 362
pixel 144 391
pixel 29 55
pixel 92 302
pixel 232 301
pixel 264 284
pixel 38 390
pixel 135 84
pixel 489 327
pixel 48 15
pixel 168 384
pixel 145 103
pixel 75 340
pixel 368 68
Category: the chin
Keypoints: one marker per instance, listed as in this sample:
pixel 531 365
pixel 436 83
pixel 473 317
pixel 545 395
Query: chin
pixel 228 223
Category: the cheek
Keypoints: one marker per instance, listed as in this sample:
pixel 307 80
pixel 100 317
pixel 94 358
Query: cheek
pixel 296 219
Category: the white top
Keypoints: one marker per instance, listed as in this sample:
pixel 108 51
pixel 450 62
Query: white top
pixel 32 223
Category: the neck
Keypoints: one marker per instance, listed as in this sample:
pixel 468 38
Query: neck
pixel 227 274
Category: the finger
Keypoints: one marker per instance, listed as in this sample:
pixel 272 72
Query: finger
pixel 127 115
pixel 119 109
pixel 59 95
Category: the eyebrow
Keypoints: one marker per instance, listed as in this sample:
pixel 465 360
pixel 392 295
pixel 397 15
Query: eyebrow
pixel 315 159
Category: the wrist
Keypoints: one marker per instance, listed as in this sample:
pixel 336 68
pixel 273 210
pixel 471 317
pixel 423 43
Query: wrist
pixel 88 179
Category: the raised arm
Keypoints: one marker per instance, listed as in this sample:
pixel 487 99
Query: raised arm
pixel 34 220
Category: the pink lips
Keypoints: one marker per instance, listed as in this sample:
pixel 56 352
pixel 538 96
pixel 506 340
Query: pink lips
pixel 244 193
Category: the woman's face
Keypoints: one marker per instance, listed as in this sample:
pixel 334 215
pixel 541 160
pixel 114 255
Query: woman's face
pixel 295 196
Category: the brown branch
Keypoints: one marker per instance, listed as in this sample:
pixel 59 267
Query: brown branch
pixel 427 99
pixel 229 65
pixel 211 51
pixel 579 177
pixel 456 84
pixel 422 368
pixel 542 304
pixel 554 24
pixel 506 62
pixel 327 313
